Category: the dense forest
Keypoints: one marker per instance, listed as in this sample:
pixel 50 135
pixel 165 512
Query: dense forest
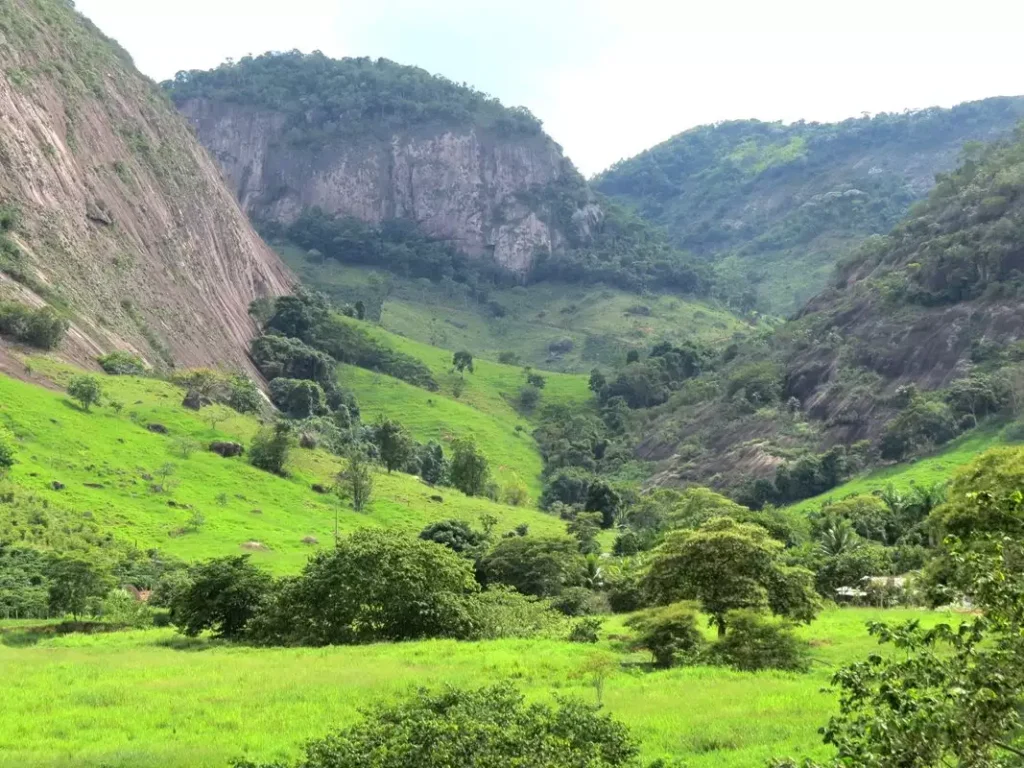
pixel 323 97
pixel 775 206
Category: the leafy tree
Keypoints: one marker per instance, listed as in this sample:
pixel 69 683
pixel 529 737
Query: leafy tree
pixel 243 395
pixel 534 565
pixel 382 587
pixel 86 390
pixel 355 481
pixel 602 498
pixel 597 382
pixel 270 447
pixel 298 398
pixel 74 582
pixel 728 566
pixel 222 595
pixel 395 445
pixel 920 426
pixel 462 360
pixel 584 527
pixel 486 728
pixel 632 356
pixel 848 567
pixel 567 486
pixel 433 468
pixel 457 535
pixel 469 471
pixel 758 642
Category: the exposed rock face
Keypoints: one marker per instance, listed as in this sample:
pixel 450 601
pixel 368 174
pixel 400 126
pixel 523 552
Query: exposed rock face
pixel 465 185
pixel 122 217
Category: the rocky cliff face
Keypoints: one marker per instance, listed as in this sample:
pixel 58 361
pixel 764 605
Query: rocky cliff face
pixel 122 220
pixel 466 185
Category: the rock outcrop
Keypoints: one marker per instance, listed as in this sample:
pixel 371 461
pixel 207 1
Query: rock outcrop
pixel 120 218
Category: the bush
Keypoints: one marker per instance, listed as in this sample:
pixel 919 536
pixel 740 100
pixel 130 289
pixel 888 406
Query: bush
pixel 920 426
pixel 222 595
pixel 529 396
pixel 670 634
pixel 374 586
pixel 543 567
pixel 457 535
pixel 755 641
pixel 6 457
pixel 86 390
pixel 42 328
pixel 269 449
pixel 758 384
pixel 298 398
pixel 121 607
pixel 502 612
pixel 484 728
pixel 121 363
pixel 243 395
pixel 574 601
pixel 585 631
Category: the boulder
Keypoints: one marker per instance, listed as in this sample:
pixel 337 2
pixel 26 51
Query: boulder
pixel 159 429
pixel 194 400
pixel 226 448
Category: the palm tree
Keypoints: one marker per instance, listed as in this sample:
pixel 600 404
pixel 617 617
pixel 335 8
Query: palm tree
pixel 593 573
pixel 838 538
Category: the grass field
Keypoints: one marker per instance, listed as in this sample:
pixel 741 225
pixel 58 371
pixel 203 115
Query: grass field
pixel 150 699
pixel 103 458
pixel 601 323
pixel 936 468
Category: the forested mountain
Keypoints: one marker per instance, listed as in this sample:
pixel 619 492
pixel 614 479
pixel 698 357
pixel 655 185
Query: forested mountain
pixel 371 162
pixel 111 214
pixel 773 207
pixel 918 339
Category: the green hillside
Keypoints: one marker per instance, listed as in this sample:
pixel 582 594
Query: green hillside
pixel 555 326
pixel 103 458
pixel 775 206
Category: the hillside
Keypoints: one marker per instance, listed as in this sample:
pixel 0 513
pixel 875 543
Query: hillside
pixel 774 207
pixel 916 342
pixel 371 162
pixel 107 471
pixel 112 213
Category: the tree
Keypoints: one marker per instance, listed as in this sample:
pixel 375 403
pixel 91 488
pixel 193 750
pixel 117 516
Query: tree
pixel 396 447
pixel 457 535
pixel 602 498
pixel 121 363
pixel 6 457
pixel 484 728
pixel 726 566
pixel 374 586
pixel 243 395
pixel 355 482
pixel 270 447
pixel 534 565
pixel 298 398
pixel 433 467
pixel 73 582
pixel 86 390
pixel 468 471
pixel 462 360
pixel 597 382
pixel 584 527
pixel 669 633
pixel 222 595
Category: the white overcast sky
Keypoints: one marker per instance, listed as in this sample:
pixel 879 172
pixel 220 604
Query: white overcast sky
pixel 610 78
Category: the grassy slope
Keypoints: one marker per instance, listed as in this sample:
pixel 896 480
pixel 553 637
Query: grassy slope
pixel 936 468
pixel 484 409
pixel 57 442
pixel 594 318
pixel 148 699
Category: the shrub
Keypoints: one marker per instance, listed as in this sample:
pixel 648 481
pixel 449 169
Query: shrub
pixel 755 641
pixel 758 384
pixel 920 426
pixel 222 595
pixel 86 390
pixel 502 612
pixel 243 395
pixel 42 328
pixel 270 447
pixel 534 565
pixel 585 631
pixel 529 396
pixel 670 634
pixel 515 492
pixel 457 535
pixel 574 601
pixel 484 728
pixel 6 457
pixel 121 607
pixel 297 398
pixel 121 363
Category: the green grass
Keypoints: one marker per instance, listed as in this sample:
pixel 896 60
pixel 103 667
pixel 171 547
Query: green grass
pixel 602 323
pixel 55 441
pixel 936 468
pixel 152 699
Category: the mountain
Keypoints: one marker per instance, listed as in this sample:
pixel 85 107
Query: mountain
pixel 371 162
pixel 110 211
pixel 918 340
pixel 775 206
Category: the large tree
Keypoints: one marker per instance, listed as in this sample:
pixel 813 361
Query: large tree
pixel 222 595
pixel 74 581
pixel 726 566
pixel 396 447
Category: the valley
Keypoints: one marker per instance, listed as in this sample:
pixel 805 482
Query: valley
pixel 344 423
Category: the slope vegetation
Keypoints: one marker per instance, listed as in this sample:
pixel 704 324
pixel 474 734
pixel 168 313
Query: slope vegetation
pixel 112 212
pixel 775 206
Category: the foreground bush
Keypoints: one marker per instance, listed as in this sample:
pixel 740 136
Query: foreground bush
pixel 485 728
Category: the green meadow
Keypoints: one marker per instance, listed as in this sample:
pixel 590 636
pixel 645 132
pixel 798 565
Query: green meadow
pixel 151 699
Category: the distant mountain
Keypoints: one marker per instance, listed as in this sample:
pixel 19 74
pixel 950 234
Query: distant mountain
pixel 110 211
pixel 920 337
pixel 371 162
pixel 774 207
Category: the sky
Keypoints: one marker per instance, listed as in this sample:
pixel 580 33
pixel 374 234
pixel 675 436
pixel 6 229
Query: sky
pixel 610 78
